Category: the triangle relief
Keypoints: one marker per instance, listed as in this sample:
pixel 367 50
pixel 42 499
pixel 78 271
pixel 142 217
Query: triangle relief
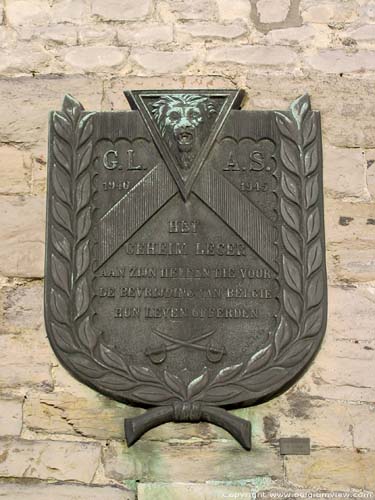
pixel 184 126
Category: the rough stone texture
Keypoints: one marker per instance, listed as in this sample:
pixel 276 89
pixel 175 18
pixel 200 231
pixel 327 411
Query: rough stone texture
pixel 161 62
pixel 13 172
pixel 273 12
pixel 155 461
pixel 95 59
pixel 22 236
pixel 63 461
pixel 333 469
pixel 120 10
pixel 233 9
pixel 249 55
pixel 54 429
pixel 10 417
pixel 188 491
pixel 42 491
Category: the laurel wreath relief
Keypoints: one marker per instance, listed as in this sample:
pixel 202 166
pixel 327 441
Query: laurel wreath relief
pixel 302 314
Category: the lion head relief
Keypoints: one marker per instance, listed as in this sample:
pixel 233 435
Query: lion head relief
pixel 184 121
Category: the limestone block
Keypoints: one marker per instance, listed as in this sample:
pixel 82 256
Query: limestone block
pixel 184 10
pixel 150 34
pixel 23 12
pixel 58 34
pixel 26 361
pixel 344 172
pixel 354 262
pixel 190 491
pixel 26 58
pixel 248 54
pixel 22 235
pixel 347 103
pixel 212 30
pixel 120 10
pixel 328 11
pixel 157 461
pixel 10 417
pixel 363 418
pixel 97 34
pixel 24 307
pixel 59 460
pixel 339 61
pixel 342 370
pixel 95 59
pixel 14 171
pixel 70 11
pixel 234 9
pixel 370 171
pixel 294 36
pixel 40 491
pixel 362 33
pixel 349 222
pixel 162 62
pixel 30 100
pixel 332 469
pixel 273 12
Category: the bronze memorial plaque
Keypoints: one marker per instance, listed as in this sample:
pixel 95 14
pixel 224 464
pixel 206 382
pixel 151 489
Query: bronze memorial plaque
pixel 185 267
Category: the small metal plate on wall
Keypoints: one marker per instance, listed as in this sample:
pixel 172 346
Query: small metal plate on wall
pixel 295 446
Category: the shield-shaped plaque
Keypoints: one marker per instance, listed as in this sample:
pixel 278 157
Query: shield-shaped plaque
pixel 185 268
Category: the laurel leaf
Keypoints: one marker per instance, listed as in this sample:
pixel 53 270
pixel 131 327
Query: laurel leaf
pixel 82 297
pixel 84 157
pixel 61 125
pixel 300 107
pixel 290 214
pixel 59 306
pixel 313 224
pixel 113 382
pixel 312 191
pixel 82 258
pixel 314 257
pixel 313 323
pixel 175 383
pixel 311 159
pixel 197 385
pixel 111 358
pixel 61 155
pixel 83 223
pixel 60 182
pixel 85 128
pixel 222 393
pixel 86 365
pixel 292 274
pixel 62 337
pixel 258 360
pixel 296 354
pixel 309 129
pixel 291 242
pixel 60 273
pixel 286 126
pixel 228 373
pixel 61 214
pixel 293 305
pixel 61 243
pixel 290 156
pixel 264 380
pixel 153 395
pixel 315 290
pixel 71 107
pixel 86 334
pixel 283 336
pixel 83 191
pixel 143 374
pixel 289 187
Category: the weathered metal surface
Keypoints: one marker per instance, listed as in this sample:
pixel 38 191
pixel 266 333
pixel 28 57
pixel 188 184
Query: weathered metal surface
pixel 185 263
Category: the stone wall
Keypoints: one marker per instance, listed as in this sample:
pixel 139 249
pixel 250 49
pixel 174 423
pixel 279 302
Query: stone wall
pixel 58 438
